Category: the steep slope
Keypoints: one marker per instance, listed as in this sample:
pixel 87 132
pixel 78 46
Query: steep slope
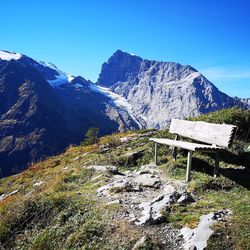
pixel 43 110
pixel 160 91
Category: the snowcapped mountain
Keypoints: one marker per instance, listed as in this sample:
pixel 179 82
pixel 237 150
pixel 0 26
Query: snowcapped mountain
pixel 43 110
pixel 160 91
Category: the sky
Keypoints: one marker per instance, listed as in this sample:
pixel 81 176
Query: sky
pixel 212 36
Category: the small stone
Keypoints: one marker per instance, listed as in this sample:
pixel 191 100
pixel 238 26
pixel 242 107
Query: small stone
pixel 38 183
pixel 114 202
pixel 185 198
pixel 111 169
pixel 144 243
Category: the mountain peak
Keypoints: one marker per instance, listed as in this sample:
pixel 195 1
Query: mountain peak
pixel 122 52
pixel 7 56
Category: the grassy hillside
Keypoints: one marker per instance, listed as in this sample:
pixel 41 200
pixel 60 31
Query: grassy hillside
pixel 54 203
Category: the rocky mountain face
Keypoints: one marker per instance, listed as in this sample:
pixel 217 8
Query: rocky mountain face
pixel 246 102
pixel 160 91
pixel 43 110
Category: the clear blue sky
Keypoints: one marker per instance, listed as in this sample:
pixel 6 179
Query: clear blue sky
pixel 79 35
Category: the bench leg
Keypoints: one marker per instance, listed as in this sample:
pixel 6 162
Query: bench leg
pixel 156 160
pixel 217 165
pixel 175 148
pixel 189 165
pixel 175 153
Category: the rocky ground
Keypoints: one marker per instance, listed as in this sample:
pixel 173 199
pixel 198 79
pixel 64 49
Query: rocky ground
pixel 144 198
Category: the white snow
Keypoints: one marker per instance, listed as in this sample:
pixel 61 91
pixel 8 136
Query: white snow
pixel 118 100
pixel 128 53
pixel 48 64
pixel 7 56
pixel 61 77
pixel 70 78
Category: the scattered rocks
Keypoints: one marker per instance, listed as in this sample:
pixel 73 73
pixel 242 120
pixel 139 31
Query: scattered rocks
pixel 142 194
pixel 197 238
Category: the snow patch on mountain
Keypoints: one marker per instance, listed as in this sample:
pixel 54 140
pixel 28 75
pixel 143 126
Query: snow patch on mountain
pixel 116 99
pixel 61 76
pixel 7 56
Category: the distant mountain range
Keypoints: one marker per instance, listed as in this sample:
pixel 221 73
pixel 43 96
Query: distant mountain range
pixel 43 110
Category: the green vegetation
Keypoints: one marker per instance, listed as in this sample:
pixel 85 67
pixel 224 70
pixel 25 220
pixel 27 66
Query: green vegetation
pixel 91 136
pixel 62 212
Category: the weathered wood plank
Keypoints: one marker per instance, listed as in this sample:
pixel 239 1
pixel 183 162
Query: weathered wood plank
pixel 218 134
pixel 186 145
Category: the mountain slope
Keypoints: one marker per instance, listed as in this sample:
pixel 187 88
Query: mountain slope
pixel 43 110
pixel 160 91
pixel 103 197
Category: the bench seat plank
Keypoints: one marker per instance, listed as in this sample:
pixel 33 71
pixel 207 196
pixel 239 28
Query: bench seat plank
pixel 219 134
pixel 187 145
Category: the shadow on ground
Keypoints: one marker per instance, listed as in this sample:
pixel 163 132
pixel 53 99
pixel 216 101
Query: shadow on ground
pixel 238 170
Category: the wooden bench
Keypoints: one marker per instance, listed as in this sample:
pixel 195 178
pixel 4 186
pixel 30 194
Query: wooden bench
pixel 214 138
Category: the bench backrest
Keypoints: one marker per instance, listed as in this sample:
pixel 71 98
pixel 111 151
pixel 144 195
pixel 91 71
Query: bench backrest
pixel 218 134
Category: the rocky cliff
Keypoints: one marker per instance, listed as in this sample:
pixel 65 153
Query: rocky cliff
pixel 160 91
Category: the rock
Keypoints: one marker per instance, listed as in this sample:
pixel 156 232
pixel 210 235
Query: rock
pixel 110 169
pixel 147 169
pixel 153 211
pixel 4 196
pixel 121 185
pixel 169 189
pixel 114 202
pixel 197 238
pixel 144 243
pixel 115 186
pixel 148 180
pixel 154 88
pixel 185 198
pixel 38 183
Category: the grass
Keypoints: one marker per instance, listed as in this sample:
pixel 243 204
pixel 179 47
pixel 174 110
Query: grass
pixel 64 213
